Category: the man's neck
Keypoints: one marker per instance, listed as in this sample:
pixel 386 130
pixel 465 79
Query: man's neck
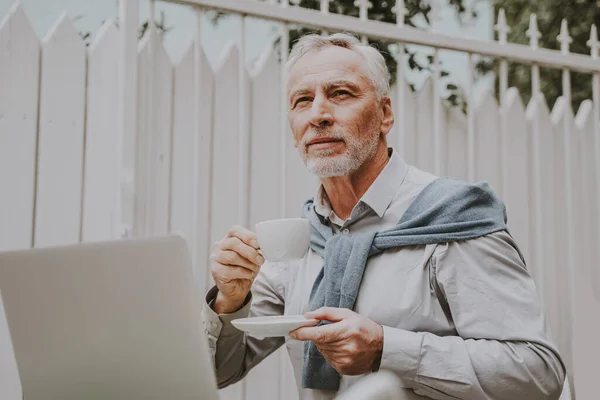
pixel 344 192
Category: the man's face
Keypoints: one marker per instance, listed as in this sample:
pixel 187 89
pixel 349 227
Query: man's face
pixel 334 114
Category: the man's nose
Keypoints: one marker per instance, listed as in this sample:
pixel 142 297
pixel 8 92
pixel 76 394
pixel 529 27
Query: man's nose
pixel 321 113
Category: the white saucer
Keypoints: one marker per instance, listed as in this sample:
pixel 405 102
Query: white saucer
pixel 273 326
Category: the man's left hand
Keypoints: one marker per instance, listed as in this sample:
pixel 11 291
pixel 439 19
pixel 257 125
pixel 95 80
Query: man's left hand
pixel 352 344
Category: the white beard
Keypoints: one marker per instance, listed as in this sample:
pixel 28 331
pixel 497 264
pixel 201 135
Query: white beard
pixel 325 165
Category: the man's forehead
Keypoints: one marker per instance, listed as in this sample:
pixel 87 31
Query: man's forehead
pixel 323 66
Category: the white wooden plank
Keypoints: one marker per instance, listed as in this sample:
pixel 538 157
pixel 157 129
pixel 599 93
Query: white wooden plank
pixel 439 134
pixel 154 141
pixel 141 142
pixel 128 54
pixel 265 202
pixel 563 290
pixel 544 267
pixel 551 266
pixel 587 195
pixel 533 177
pixel 182 184
pixel 102 137
pixel 287 378
pixel 573 232
pixel 265 134
pixel 19 85
pixel 592 168
pixel 224 213
pixel 182 179
pixel 487 142
pixel 402 137
pixel 148 174
pixel 535 174
pixel 516 193
pixel 456 142
pixel 586 351
pixel 470 109
pixel 424 127
pixel 61 135
pixel 205 158
pixel 162 136
pixel 225 161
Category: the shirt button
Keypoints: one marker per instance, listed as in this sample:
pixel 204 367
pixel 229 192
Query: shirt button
pixel 346 231
pixel 213 324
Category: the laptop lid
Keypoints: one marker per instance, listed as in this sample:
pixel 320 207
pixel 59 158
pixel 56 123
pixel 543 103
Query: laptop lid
pixel 111 320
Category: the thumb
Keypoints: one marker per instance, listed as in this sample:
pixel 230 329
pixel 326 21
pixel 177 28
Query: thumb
pixel 332 314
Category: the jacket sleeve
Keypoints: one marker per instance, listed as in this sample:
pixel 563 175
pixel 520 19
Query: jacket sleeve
pixel 235 353
pixel 502 350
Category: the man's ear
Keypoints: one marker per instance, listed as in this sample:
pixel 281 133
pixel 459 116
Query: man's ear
pixel 388 115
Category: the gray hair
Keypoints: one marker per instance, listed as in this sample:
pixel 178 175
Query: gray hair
pixel 377 70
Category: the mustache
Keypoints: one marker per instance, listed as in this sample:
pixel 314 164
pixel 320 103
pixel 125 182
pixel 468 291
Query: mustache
pixel 323 133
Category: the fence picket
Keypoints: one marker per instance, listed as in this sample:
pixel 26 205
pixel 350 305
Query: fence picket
pixel 487 142
pixel 182 177
pixel 544 269
pixel 586 268
pixel 19 86
pixel 264 188
pixel 516 193
pixel 61 136
pixel 424 154
pixel 101 136
pixel 561 256
pixel 403 134
pixel 225 160
pixel 158 135
pixel 456 142
pixel 265 136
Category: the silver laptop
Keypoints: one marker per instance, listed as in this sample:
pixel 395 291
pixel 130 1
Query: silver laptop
pixel 111 320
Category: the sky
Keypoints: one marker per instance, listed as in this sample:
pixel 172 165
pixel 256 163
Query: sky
pixel 88 16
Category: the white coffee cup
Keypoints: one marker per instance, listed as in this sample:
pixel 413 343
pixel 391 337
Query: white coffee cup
pixel 283 239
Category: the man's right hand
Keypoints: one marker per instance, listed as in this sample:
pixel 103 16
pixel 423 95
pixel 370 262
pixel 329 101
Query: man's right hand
pixel 235 262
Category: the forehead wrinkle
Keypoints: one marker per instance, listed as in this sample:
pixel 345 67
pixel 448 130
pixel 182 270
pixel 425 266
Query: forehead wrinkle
pixel 327 86
pixel 340 82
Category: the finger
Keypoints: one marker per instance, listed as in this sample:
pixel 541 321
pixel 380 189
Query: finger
pixel 331 354
pixel 233 259
pixel 318 334
pixel 248 252
pixel 231 273
pixel 332 314
pixel 335 348
pixel 306 333
pixel 245 235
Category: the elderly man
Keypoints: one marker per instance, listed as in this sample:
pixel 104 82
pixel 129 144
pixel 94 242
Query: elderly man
pixel 408 272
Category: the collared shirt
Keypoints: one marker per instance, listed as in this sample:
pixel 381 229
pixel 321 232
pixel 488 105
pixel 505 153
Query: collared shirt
pixel 461 320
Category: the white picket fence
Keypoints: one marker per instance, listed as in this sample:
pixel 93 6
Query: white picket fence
pixel 63 163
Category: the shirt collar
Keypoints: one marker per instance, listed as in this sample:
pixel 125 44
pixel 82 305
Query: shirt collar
pixel 380 194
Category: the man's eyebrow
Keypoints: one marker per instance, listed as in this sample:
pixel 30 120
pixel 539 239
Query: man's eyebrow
pixel 299 92
pixel 327 86
pixel 341 82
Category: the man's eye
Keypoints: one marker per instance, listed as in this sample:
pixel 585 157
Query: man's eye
pixel 340 93
pixel 302 100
